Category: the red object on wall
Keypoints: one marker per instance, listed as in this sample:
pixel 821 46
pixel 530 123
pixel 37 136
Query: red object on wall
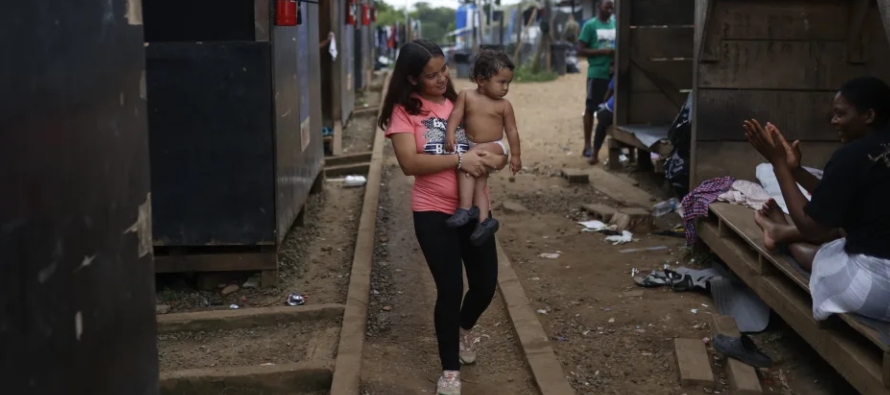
pixel 366 15
pixel 350 12
pixel 286 12
pixel 374 13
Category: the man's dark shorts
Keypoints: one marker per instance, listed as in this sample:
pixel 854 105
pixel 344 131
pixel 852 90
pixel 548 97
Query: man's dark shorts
pixel 596 89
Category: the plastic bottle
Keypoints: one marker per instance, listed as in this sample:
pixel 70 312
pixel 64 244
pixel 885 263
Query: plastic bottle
pixel 665 207
pixel 354 181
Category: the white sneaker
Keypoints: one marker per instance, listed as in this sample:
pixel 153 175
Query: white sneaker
pixel 467 352
pixel 449 383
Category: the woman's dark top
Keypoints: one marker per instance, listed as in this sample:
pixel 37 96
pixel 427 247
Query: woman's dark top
pixel 854 194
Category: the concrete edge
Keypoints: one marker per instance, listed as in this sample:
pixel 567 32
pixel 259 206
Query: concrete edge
pixel 245 318
pixel 348 367
pixel 546 369
pixel 271 379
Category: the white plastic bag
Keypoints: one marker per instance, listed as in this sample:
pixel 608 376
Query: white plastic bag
pixel 332 48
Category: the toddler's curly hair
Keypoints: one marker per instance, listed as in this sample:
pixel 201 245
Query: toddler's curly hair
pixel 488 63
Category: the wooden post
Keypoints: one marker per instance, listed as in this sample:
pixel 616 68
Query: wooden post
pixel 622 63
pixel 522 29
pixel 548 7
pixel 884 7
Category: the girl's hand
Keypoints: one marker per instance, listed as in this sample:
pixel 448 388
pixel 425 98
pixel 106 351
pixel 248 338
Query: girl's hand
pixel 474 163
pixel 515 164
pixel 792 151
pixel 766 142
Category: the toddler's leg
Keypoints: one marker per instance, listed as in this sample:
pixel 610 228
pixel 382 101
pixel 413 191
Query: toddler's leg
pixel 465 212
pixel 479 197
pixel 487 226
pixel 465 184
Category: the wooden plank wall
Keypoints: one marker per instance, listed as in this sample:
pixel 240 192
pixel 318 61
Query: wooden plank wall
pixel 653 59
pixel 777 61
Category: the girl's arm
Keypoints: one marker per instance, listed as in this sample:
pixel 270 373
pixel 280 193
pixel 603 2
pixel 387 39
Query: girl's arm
pixel 417 164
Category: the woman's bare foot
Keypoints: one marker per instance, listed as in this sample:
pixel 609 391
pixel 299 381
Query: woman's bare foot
pixel 768 227
pixel 772 211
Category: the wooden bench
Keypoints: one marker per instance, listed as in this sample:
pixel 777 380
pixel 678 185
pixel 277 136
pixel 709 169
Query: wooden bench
pixel 639 138
pixel 853 348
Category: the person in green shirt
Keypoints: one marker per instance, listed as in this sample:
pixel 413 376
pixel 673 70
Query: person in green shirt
pixel 597 44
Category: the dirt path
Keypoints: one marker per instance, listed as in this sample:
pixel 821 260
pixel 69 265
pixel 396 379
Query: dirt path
pixel 400 355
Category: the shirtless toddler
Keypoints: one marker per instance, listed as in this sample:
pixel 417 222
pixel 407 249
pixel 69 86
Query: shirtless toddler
pixel 486 115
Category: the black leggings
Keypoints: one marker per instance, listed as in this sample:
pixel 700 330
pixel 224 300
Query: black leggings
pixel 444 249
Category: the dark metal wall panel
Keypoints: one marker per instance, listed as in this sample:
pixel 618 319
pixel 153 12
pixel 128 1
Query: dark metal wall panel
pixel 316 145
pixel 358 59
pixel 210 115
pixel 347 68
pixel 220 20
pixel 370 32
pixel 77 301
pixel 287 127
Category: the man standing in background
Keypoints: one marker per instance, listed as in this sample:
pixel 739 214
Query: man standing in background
pixel 597 44
pixel 570 32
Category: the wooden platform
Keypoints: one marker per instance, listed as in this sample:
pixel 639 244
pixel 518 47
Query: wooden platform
pixel 626 137
pixel 854 349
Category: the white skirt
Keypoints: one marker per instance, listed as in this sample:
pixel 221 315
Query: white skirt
pixel 844 283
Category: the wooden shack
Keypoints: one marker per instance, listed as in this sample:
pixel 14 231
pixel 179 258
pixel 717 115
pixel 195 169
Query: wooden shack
pixel 653 73
pixel 76 279
pixel 783 61
pixel 233 153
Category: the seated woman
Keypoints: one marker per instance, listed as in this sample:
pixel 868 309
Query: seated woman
pixel 852 273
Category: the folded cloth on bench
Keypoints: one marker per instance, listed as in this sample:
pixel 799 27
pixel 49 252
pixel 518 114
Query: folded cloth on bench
pixel 696 203
pixel 767 178
pixel 849 283
pixel 746 193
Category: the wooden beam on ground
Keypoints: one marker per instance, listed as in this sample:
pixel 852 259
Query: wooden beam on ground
pixel 347 159
pixel 347 170
pixel 620 190
pixel 742 378
pixel 693 363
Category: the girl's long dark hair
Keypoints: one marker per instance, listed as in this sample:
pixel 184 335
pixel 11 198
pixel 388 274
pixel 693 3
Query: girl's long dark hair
pixel 413 57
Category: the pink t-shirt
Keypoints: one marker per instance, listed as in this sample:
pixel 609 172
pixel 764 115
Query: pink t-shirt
pixel 432 192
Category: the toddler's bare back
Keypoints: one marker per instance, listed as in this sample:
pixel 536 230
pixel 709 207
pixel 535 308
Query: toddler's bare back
pixel 484 117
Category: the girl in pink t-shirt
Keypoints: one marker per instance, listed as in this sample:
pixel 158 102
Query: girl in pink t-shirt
pixel 415 115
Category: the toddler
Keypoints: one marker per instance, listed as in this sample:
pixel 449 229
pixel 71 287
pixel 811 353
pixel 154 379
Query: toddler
pixel 485 116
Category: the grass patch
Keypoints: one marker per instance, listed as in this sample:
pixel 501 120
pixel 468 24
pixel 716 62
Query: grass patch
pixel 528 73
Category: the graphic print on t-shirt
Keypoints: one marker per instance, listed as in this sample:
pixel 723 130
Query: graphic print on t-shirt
pixel 605 38
pixel 883 156
pixel 435 137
